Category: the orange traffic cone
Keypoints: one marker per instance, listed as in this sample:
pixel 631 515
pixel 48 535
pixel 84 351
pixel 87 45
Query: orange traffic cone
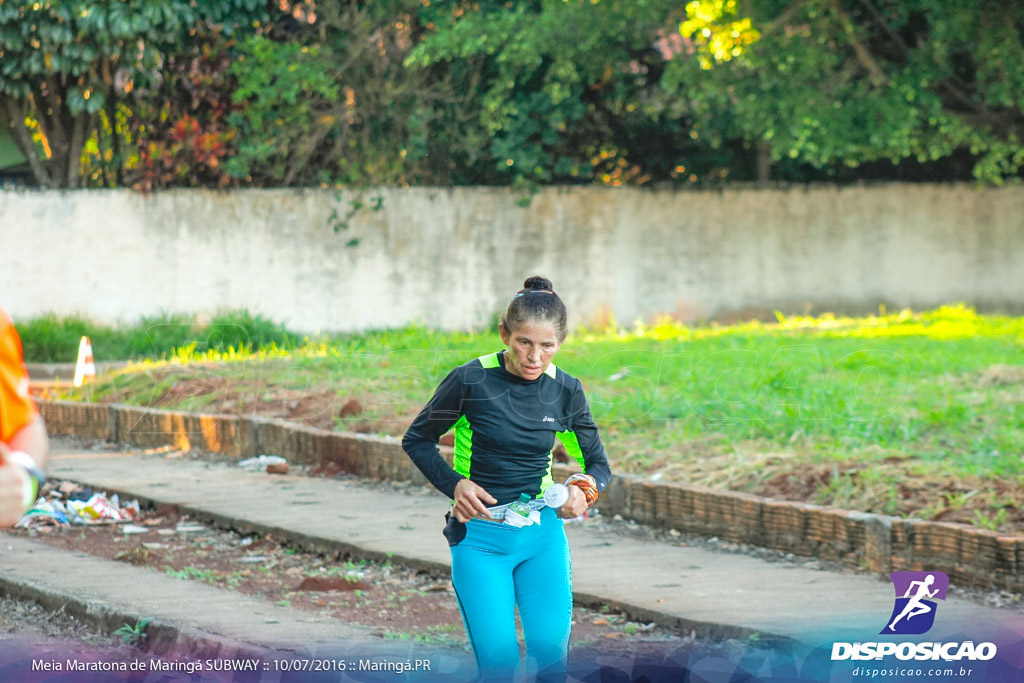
pixel 85 367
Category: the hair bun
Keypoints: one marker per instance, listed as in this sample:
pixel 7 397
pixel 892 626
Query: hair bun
pixel 538 282
pixel 536 302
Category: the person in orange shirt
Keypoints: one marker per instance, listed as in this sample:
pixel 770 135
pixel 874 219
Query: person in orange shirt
pixel 24 445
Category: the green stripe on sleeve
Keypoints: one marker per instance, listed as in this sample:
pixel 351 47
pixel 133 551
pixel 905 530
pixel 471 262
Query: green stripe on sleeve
pixel 463 446
pixel 489 361
pixel 572 445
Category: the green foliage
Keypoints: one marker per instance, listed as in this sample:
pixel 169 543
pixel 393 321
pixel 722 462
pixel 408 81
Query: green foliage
pixel 133 636
pixel 179 130
pixel 214 93
pixel 991 523
pixel 53 339
pixel 230 580
pixel 237 329
pixel 567 91
pixel 815 88
pixel 233 16
pixel 289 92
pixel 191 573
pixel 80 39
pixel 330 103
pixel 847 82
pixel 155 335
pixel 445 635
pixel 69 67
pixel 62 62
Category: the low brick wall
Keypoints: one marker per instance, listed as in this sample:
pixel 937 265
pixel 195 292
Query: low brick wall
pixel 227 434
pixel 87 420
pixel 970 556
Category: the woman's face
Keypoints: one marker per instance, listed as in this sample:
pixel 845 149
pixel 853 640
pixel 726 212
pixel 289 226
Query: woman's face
pixel 531 346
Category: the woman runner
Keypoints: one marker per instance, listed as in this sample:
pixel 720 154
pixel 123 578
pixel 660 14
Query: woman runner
pixel 507 408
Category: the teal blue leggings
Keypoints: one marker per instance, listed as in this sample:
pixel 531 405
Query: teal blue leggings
pixel 497 567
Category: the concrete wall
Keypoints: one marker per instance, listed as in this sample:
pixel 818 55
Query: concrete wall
pixel 453 257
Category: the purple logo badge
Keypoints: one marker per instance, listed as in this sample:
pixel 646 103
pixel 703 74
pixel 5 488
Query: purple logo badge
pixel 916 592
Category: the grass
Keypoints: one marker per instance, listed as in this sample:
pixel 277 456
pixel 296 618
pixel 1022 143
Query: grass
pixel 53 339
pixel 904 413
pixel 447 635
pixel 230 580
pixel 133 635
pixel 349 575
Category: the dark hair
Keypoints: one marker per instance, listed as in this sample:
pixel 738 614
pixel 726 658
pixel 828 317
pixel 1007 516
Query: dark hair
pixel 536 301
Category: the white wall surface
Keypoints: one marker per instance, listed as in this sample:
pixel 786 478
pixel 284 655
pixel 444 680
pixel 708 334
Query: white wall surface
pixel 453 257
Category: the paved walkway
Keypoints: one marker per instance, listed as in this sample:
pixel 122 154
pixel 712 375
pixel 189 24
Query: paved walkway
pixel 715 593
pixel 187 616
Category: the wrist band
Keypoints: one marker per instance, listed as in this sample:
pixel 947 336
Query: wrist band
pixel 32 478
pixel 586 484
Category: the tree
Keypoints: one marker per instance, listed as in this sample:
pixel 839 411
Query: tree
pixel 163 93
pixel 568 89
pixel 844 82
pixel 64 62
pixel 178 131
pixel 803 89
pixel 325 99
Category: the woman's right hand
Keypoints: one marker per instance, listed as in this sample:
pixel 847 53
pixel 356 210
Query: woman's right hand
pixel 471 500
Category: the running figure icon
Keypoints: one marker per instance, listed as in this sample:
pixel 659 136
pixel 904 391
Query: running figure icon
pixel 916 595
pixel 915 606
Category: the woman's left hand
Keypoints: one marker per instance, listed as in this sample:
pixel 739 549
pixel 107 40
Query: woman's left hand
pixel 575 506
pixel 10 490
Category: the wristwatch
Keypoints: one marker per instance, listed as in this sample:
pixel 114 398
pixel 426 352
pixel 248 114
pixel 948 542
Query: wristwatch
pixel 32 479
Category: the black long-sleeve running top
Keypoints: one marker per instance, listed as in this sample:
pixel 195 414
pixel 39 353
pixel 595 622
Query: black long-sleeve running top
pixel 505 427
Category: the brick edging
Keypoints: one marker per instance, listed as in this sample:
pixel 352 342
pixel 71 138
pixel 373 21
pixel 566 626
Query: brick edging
pixel 971 556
